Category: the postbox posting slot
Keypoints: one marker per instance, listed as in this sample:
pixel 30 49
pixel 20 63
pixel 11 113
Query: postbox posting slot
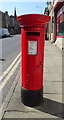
pixel 33 33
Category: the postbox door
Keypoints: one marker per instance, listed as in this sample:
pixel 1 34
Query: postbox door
pixel 32 57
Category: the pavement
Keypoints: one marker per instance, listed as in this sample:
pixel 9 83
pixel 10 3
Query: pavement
pixel 53 105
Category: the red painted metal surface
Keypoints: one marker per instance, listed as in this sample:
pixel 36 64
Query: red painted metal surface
pixel 33 36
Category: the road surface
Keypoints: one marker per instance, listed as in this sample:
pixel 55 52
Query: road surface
pixel 10 49
pixel 9 62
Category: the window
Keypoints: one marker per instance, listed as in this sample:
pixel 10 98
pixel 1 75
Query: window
pixel 60 22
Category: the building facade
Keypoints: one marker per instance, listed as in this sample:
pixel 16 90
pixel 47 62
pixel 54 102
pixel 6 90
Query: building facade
pixel 9 22
pixel 50 26
pixel 51 23
pixel 0 19
pixel 55 28
pixel 59 23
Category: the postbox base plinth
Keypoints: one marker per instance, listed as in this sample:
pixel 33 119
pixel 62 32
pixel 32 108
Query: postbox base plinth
pixel 31 97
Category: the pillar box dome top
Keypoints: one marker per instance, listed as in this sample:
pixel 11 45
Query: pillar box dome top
pixel 33 19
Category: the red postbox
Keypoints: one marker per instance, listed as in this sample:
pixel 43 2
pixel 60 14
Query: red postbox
pixel 33 38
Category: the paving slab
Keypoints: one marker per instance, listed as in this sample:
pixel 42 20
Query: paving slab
pixel 28 115
pixel 52 77
pixel 58 87
pixel 49 87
